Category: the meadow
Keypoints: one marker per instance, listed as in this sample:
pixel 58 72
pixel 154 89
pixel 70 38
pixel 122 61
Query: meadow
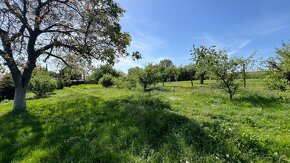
pixel 175 123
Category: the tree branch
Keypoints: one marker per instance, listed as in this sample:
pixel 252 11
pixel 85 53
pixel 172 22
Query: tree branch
pixel 21 16
pixel 52 55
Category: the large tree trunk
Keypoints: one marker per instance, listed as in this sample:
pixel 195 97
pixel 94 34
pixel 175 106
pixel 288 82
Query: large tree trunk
pixel 19 99
pixel 21 83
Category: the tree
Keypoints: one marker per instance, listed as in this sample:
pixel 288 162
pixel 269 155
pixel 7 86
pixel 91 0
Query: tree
pixel 163 66
pixel 202 58
pixel 77 68
pixel 102 70
pixel 107 80
pixel 280 66
pixel 175 73
pixel 134 71
pixel 226 70
pixel 126 81
pixel 31 29
pixel 246 63
pixel 148 76
pixel 190 72
pixel 7 88
pixel 41 83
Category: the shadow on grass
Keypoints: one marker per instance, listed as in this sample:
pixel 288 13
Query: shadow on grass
pixel 47 95
pixel 19 133
pixel 132 128
pixel 262 101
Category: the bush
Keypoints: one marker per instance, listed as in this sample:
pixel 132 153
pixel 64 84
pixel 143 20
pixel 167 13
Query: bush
pixel 7 88
pixel 107 80
pixel 277 84
pixel 60 84
pixel 42 83
pixel 128 82
pixel 102 70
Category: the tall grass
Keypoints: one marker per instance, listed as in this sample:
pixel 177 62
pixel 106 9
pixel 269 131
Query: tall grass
pixel 88 123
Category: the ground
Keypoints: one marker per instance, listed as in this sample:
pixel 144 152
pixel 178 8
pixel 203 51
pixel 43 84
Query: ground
pixel 177 123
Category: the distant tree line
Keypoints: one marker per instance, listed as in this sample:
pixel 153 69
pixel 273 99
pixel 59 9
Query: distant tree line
pixel 207 63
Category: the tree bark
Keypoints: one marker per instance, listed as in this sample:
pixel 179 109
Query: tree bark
pixel 19 99
pixel 144 87
pixel 231 97
pixel 244 75
pixel 191 82
pixel 288 78
pixel 202 76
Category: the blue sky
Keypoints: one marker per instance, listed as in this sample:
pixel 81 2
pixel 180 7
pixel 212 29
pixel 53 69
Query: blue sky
pixel 167 29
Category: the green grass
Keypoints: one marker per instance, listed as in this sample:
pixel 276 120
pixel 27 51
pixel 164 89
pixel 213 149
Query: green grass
pixel 88 123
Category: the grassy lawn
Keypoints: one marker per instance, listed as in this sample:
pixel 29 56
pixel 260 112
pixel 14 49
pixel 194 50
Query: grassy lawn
pixel 177 123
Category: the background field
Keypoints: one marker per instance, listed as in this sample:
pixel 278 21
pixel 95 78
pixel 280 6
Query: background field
pixel 176 123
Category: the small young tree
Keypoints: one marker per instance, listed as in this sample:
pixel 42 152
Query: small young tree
pixel 42 83
pixel 99 72
pixel 148 76
pixel 203 59
pixel 128 82
pixel 163 66
pixel 276 81
pixel 191 72
pixel 226 70
pixel 279 67
pixel 107 80
pixel 134 71
pixel 246 64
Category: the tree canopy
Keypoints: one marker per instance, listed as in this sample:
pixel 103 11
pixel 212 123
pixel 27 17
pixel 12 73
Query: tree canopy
pixel 31 29
pixel 202 57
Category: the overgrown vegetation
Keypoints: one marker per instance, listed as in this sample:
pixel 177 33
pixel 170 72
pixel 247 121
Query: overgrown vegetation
pixel 42 83
pixel 91 124
pixel 226 70
pixel 107 80
pixel 7 88
pixel 279 69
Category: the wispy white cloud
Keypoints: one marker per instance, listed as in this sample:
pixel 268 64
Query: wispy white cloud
pixel 274 29
pixel 147 45
pixel 269 24
pixel 244 44
pixel 233 44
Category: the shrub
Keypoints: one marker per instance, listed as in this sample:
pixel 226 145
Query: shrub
pixel 60 84
pixel 42 83
pixel 7 88
pixel 107 80
pixel 128 82
pixel 275 83
pixel 102 70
